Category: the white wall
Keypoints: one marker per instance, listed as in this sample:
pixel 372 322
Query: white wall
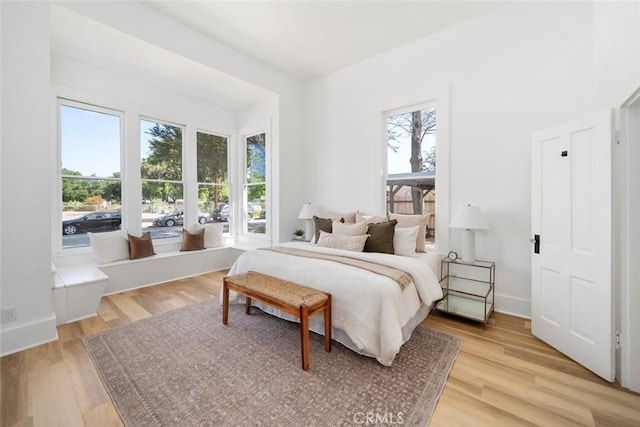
pixel 140 21
pixel 522 68
pixel 26 153
pixel 28 105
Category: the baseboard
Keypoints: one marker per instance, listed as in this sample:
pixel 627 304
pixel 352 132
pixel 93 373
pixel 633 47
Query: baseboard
pixel 513 306
pixel 25 336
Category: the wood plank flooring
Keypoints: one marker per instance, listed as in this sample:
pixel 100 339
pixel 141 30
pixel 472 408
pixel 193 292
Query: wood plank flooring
pixel 502 376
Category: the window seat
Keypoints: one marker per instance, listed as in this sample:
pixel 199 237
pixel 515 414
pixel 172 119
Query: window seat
pixel 77 291
pixel 165 266
pixel 80 282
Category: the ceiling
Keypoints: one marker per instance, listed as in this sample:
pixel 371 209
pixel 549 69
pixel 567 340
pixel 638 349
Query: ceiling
pixel 103 47
pixel 302 39
pixel 306 39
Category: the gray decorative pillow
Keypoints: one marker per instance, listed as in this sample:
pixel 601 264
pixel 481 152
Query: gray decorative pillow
pixel 323 224
pixel 357 229
pixel 381 237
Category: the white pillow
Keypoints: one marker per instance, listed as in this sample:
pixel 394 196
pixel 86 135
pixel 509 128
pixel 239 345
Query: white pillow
pixel 110 246
pixel 341 241
pixel 212 234
pixel 358 229
pixel 408 220
pixel 349 217
pixel 404 240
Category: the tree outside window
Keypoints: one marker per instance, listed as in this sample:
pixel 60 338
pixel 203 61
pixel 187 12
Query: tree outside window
pixel 255 183
pixel 213 176
pixel 411 162
pixel 162 182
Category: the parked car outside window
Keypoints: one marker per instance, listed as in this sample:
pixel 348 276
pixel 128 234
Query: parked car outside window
pixel 177 218
pixel 96 221
pixel 221 213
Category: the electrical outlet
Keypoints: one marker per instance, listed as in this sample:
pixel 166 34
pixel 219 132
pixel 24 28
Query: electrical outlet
pixel 8 314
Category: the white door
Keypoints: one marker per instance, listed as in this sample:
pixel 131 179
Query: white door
pixel 572 297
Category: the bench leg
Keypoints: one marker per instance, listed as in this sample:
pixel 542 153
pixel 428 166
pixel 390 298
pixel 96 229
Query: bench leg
pixel 304 335
pixel 247 305
pixel 327 325
pixel 225 302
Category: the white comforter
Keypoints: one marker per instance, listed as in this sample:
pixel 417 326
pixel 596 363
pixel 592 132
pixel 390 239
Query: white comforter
pixel 371 309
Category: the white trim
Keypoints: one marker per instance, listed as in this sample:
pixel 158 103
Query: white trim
pixel 513 306
pixel 195 170
pixel 185 131
pixel 244 237
pixel 28 335
pixel 56 217
pixel 443 122
pixel 628 248
pixel 132 111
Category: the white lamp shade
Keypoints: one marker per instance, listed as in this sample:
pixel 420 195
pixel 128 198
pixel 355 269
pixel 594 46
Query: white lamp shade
pixel 306 212
pixel 469 217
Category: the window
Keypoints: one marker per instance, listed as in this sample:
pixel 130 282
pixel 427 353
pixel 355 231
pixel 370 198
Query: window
pixel 213 178
pixel 161 173
pixel 255 187
pixel 411 164
pixel 91 185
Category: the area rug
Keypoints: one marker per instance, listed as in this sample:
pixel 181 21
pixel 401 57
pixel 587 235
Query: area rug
pixel 184 368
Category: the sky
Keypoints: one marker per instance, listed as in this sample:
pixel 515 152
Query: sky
pixel 91 141
pixel 398 162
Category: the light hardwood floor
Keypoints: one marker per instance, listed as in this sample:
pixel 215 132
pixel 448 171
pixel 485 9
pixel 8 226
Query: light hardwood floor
pixel 502 376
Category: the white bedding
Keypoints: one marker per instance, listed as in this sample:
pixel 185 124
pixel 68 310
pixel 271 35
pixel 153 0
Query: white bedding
pixel 371 309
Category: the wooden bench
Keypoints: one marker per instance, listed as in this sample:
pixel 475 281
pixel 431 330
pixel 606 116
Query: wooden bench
pixel 289 297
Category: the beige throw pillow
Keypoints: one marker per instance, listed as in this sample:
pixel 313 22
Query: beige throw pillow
pixel 369 219
pixel 341 241
pixel 406 221
pixel 350 229
pixel 349 217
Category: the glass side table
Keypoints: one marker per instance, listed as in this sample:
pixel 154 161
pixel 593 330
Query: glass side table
pixel 468 289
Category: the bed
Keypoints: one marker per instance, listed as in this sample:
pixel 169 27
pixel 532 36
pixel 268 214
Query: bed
pixel 371 314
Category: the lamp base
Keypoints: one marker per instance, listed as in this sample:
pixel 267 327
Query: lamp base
pixel 308 229
pixel 468 245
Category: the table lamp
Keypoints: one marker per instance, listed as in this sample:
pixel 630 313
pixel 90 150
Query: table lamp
pixel 469 218
pixel 306 213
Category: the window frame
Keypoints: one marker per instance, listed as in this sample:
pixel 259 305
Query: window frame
pixel 183 170
pixel 241 210
pixel 229 174
pixel 441 102
pixel 60 101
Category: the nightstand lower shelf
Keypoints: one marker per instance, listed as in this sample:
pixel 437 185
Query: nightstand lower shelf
pixel 473 309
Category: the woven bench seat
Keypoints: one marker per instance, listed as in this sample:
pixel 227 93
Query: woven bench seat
pixel 297 300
